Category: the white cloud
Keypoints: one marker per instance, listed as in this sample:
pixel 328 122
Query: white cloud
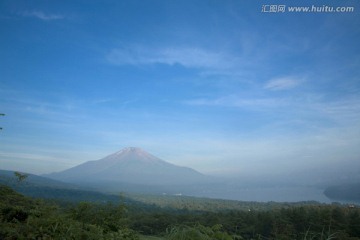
pixel 283 83
pixel 187 57
pixel 43 16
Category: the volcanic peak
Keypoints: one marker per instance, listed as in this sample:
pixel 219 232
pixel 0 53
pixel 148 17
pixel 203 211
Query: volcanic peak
pixel 135 150
pixel 131 154
pixel 130 165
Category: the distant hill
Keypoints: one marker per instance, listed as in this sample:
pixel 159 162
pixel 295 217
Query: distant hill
pixel 344 192
pixel 41 187
pixel 8 178
pixel 128 169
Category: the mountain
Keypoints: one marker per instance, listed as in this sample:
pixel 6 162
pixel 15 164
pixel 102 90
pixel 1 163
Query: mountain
pixel 344 192
pixel 132 167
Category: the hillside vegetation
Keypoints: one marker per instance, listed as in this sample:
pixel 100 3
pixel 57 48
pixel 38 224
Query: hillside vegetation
pixel 27 218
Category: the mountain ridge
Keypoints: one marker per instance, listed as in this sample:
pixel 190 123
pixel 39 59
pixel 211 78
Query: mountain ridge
pixel 130 165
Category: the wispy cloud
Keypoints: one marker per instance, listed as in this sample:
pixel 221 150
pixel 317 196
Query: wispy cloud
pixel 38 107
pixel 346 111
pixel 43 16
pixel 319 113
pixel 36 160
pixel 283 83
pixel 187 57
pixel 236 101
pixel 102 100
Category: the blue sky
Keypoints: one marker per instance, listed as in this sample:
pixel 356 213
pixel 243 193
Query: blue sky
pixel 214 85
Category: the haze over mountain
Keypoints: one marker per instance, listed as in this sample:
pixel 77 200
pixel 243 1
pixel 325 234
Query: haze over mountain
pixel 135 170
pixel 131 166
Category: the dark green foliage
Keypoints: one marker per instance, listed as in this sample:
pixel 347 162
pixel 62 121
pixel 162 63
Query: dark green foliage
pixel 317 222
pixel 24 218
pixel 14 214
pixel 198 231
pixel 187 218
pixel 110 217
pixel 353 226
pixel 20 176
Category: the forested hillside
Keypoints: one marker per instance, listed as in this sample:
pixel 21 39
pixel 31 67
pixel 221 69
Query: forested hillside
pixel 26 218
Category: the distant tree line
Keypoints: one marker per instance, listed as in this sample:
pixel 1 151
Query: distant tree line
pixel 306 222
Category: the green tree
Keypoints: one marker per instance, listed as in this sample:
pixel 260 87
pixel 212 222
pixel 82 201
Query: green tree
pixel 198 232
pixel 20 176
pixel 1 114
pixel 354 224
